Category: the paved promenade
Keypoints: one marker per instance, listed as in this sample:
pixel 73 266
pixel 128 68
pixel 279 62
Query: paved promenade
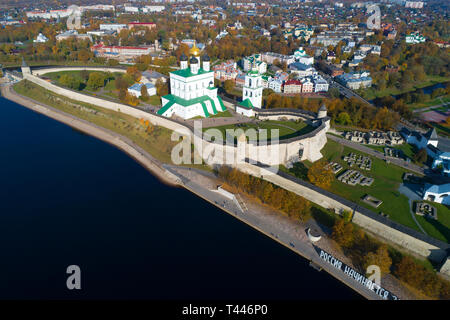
pixel 281 232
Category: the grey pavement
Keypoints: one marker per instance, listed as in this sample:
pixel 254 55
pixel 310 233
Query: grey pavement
pixel 301 245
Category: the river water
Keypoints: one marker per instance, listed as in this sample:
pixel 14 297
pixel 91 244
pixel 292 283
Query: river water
pixel 69 199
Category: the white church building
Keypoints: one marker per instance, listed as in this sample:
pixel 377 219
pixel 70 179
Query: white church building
pixel 251 93
pixel 192 91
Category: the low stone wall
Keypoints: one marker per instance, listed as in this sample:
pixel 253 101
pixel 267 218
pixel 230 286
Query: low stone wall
pixel 417 246
pixel 42 71
pixel 409 239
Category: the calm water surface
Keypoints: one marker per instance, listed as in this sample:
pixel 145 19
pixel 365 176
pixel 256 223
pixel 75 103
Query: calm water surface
pixel 67 198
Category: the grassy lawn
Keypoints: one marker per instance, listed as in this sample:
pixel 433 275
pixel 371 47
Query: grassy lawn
pixel 371 93
pixel 225 114
pixel 407 149
pixel 154 100
pixel 287 129
pixel 434 102
pixel 158 142
pixel 441 130
pixel 387 177
pixel 441 226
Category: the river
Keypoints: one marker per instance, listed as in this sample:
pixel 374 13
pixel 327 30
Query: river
pixel 69 199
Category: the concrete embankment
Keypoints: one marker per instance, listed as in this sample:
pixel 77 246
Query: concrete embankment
pixel 123 143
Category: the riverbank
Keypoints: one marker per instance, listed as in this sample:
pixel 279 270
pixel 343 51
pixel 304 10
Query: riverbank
pixel 296 235
pixel 108 136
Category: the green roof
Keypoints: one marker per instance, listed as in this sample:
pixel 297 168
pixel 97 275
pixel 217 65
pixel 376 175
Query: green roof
pixel 253 73
pixel 186 73
pixel 186 103
pixel 246 104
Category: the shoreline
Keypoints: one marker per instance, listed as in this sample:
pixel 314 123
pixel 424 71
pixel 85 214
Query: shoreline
pixel 156 168
pixel 105 135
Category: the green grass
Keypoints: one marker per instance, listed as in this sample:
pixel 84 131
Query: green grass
pixel 224 114
pixel 371 93
pixel 287 129
pixel 441 226
pixel 430 103
pixel 154 100
pixel 407 149
pixel 157 143
pixel 388 178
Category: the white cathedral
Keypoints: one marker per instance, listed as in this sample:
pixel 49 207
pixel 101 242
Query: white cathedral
pixel 192 91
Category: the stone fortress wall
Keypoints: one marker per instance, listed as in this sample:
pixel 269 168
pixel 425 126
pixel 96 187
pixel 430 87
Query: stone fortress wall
pixel 404 237
pixel 288 151
pixel 409 239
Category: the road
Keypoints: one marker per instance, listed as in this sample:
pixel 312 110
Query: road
pixel 399 162
pixel 346 92
pixel 432 107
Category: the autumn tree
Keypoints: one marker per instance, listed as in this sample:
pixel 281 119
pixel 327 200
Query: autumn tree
pixel 96 80
pixel 421 156
pixel 408 271
pixel 343 233
pixel 228 85
pixel 144 93
pixel 320 174
pixel 344 118
pixel 379 258
pixel 134 73
pixel 162 88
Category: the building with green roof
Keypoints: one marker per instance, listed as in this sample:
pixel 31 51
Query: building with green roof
pixel 192 91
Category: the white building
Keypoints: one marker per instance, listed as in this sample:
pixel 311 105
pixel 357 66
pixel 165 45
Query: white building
pixel 415 38
pixel 192 91
pixel 255 61
pixel 149 9
pixel 251 93
pixel 271 57
pixel 275 84
pixel 320 84
pixel 131 9
pixel 113 27
pixel 414 4
pixel 302 70
pixel 40 38
pixel 136 88
pixel 420 140
pixel 437 193
pixel 222 34
pixel 301 56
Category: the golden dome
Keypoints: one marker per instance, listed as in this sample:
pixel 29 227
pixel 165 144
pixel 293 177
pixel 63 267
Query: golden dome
pixel 194 51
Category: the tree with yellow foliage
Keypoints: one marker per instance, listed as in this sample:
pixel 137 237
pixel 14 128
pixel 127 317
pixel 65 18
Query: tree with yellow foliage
pixel 379 258
pixel 320 174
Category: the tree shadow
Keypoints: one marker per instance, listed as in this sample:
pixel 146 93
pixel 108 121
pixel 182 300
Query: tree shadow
pixel 322 217
pixel 299 170
pixel 440 227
